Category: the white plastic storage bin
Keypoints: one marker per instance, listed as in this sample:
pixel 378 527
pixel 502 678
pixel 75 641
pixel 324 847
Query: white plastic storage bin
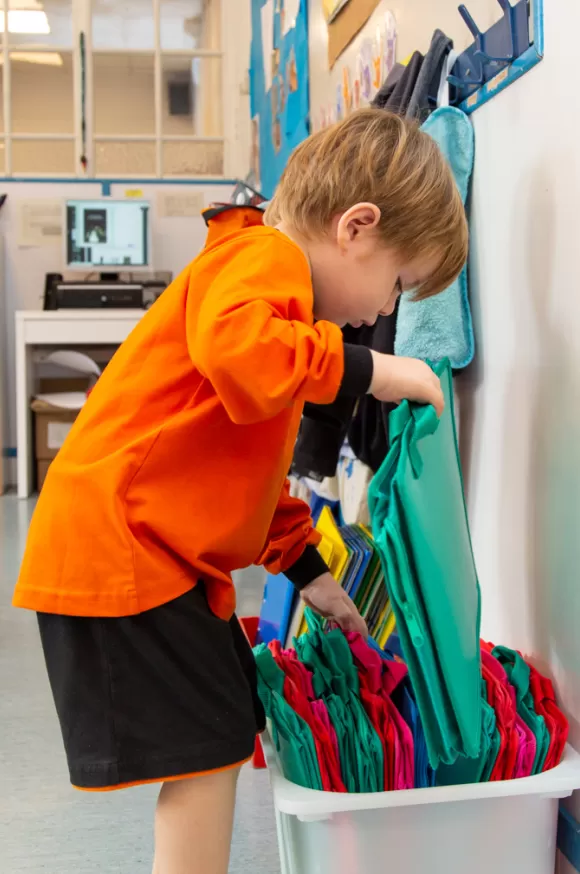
pixel 486 828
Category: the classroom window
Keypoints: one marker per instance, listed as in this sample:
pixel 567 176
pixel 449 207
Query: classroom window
pixel 190 25
pixel 43 24
pixel 107 88
pixel 42 87
pixel 117 25
pixel 187 158
pixel 188 101
pixel 125 158
pixel 43 157
pixel 123 88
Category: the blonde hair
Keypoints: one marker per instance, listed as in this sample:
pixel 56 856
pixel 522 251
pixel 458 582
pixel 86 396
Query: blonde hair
pixel 378 157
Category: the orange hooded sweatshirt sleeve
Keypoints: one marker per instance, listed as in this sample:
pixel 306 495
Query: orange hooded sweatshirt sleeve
pixel 175 468
pixel 261 352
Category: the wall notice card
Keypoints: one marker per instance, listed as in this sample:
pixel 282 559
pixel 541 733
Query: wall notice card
pixel 291 10
pixel 332 8
pixel 267 15
pixel 177 205
pixel 40 223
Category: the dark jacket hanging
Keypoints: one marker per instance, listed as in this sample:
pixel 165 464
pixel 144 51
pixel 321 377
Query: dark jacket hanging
pixel 410 90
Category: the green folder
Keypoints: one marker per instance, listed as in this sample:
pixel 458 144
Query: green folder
pixel 421 530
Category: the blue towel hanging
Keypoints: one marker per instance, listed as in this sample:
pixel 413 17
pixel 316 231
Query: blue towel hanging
pixel 441 327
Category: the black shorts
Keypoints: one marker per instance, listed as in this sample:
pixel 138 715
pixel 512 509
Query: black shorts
pixel 166 694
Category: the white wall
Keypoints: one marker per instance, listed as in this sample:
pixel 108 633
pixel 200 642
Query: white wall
pixel 522 449
pixel 524 465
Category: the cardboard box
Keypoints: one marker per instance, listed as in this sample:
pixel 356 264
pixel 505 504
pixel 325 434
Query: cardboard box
pixel 52 425
pixel 41 471
pixel 58 404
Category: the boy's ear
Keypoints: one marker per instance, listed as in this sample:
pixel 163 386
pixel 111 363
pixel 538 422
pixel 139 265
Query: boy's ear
pixel 358 219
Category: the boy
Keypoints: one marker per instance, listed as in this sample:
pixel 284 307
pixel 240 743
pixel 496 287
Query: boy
pixel 174 473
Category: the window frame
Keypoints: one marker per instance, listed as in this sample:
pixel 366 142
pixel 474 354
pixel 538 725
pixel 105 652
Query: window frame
pixel 82 23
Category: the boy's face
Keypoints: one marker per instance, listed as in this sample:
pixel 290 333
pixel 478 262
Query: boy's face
pixel 355 277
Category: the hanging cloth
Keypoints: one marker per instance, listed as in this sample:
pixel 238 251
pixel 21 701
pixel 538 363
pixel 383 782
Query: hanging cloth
pixel 424 97
pixel 441 326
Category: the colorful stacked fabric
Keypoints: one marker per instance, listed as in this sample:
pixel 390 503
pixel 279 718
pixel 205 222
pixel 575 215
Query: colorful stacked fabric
pixel 353 709
pixel 525 732
pixel 344 717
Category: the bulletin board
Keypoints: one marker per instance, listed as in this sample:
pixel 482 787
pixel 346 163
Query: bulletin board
pixel 359 72
pixel 279 87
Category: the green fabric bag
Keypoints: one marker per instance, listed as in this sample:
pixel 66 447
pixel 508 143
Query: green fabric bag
pixel 518 673
pixel 335 679
pixel 475 770
pixel 292 737
pixel 421 530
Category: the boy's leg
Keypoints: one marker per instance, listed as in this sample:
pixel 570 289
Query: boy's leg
pixel 194 823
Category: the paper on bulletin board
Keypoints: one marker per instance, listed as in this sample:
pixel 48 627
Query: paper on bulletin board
pixel 180 205
pixel 267 14
pixel 40 223
pixel 291 10
pixel 255 175
pixel 332 8
pixel 344 26
pixel 279 87
pixel 359 72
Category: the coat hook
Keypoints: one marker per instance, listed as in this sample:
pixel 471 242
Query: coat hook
pixel 508 11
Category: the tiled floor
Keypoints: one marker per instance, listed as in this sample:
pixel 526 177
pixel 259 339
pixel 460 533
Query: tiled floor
pixel 45 826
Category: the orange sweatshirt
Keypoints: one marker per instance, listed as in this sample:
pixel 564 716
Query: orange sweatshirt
pixel 175 468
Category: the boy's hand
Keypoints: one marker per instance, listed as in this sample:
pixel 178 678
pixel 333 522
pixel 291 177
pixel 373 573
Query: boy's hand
pixel 397 379
pixel 328 599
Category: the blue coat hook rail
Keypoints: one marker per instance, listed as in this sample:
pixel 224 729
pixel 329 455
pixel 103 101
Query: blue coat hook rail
pixel 500 55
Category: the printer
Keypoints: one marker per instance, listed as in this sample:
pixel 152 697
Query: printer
pixel 103 293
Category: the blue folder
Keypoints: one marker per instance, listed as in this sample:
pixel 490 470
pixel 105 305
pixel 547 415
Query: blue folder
pixel 280 597
pixel 356 537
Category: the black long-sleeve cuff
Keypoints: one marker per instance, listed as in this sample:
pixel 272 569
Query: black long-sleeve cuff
pixel 309 566
pixel 358 371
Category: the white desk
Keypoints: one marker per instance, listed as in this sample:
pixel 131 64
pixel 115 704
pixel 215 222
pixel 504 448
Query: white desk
pixel 56 328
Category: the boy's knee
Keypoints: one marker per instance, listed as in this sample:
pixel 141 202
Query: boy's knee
pixel 204 786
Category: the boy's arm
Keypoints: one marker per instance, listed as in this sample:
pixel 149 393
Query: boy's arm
pixel 251 338
pixel 291 549
pixel 291 543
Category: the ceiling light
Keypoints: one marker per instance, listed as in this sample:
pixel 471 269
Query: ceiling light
pixel 26 21
pixel 50 59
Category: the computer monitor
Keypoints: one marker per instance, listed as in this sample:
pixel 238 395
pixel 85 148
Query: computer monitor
pixel 110 236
